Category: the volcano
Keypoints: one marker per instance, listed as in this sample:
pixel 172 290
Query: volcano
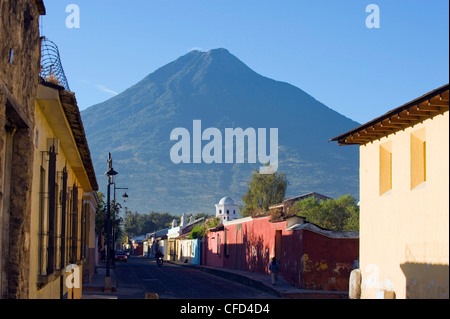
pixel 221 91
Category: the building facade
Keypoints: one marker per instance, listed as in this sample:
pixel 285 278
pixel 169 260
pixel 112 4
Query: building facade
pixel 227 210
pixel 310 257
pixel 64 198
pixel 19 70
pixel 404 199
pixel 47 182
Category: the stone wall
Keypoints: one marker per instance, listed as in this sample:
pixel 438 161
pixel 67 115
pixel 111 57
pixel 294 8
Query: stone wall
pixel 19 71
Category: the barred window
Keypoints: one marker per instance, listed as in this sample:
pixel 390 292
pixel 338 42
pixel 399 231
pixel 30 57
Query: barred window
pixel 64 199
pixel 74 226
pixel 51 209
pixel 42 228
pixel 84 230
pixel 47 216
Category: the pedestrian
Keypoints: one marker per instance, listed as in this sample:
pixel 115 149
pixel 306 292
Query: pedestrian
pixel 274 268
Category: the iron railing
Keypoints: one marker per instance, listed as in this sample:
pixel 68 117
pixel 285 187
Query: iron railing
pixel 51 67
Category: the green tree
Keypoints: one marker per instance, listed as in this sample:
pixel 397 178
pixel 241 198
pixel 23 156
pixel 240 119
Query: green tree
pixel 102 211
pixel 100 214
pixel 116 220
pixel 340 214
pixel 263 191
pixel 200 230
pixel 136 224
pixel 132 225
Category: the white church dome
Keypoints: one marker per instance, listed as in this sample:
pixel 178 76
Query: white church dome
pixel 226 201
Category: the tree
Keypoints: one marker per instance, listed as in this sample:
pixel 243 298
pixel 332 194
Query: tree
pixel 200 230
pixel 100 218
pixel 102 211
pixel 340 214
pixel 100 214
pixel 263 191
pixel 132 223
pixel 136 224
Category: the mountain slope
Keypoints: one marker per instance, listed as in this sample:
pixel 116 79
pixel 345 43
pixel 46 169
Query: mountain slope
pixel 221 91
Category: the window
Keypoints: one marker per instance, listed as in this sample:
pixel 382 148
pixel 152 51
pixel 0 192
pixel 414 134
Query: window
pixel 63 219
pixel 11 56
pixel 225 246
pixel 51 210
pixel 84 230
pixel 385 167
pixel 418 158
pixel 228 212
pixel 219 244
pixel 74 226
pixel 47 215
pixel 42 237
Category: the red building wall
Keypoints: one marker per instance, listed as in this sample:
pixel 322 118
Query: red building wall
pixel 139 249
pixel 327 262
pixel 308 260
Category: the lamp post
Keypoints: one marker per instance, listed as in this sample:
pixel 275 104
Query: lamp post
pixel 110 174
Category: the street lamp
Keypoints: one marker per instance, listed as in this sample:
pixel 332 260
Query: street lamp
pixel 110 174
pixel 124 196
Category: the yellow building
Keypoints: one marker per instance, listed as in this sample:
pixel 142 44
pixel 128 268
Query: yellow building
pixel 47 181
pixel 404 199
pixel 64 197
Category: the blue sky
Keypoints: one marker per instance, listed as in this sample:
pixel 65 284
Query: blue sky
pixel 320 46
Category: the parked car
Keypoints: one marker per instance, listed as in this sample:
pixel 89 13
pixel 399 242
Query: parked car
pixel 121 256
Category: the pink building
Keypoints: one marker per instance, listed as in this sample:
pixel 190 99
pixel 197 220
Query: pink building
pixel 310 257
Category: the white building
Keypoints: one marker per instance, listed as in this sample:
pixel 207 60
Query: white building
pixel 227 210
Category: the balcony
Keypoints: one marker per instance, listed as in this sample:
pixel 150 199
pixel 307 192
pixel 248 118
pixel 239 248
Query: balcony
pixel 51 67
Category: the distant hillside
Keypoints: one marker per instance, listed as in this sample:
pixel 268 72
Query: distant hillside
pixel 221 91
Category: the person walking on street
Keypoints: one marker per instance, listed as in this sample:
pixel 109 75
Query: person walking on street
pixel 274 268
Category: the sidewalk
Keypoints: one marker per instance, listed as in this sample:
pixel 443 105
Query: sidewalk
pixel 96 288
pixel 261 281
